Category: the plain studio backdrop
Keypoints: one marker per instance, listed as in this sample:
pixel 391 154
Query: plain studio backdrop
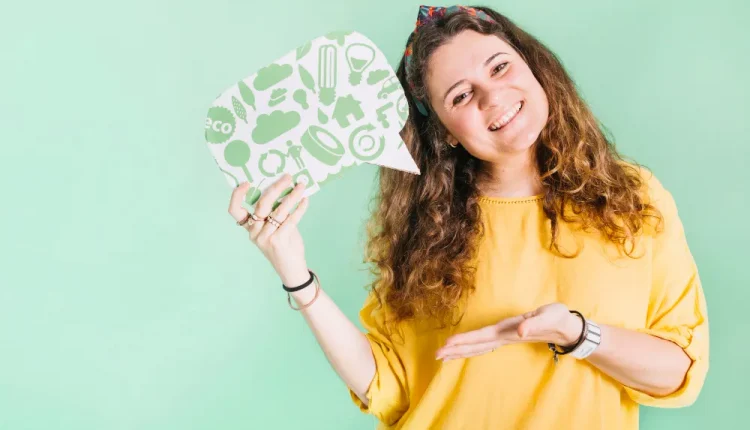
pixel 129 299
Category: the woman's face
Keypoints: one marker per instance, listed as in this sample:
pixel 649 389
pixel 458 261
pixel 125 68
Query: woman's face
pixel 476 83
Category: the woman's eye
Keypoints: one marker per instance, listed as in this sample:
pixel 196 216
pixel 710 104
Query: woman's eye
pixel 495 71
pixel 459 98
pixel 499 67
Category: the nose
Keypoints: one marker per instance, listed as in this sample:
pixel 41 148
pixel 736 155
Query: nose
pixel 489 98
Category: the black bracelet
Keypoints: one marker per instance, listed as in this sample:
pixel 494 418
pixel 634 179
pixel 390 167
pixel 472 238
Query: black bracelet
pixel 578 343
pixel 306 284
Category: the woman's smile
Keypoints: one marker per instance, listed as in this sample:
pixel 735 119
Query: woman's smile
pixel 506 118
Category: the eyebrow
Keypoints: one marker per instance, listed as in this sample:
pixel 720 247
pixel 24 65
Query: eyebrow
pixel 489 60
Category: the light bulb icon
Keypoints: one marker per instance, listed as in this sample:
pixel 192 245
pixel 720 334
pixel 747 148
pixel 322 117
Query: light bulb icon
pixel 359 57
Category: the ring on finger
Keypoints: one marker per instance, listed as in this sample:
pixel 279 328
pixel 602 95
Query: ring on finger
pixel 273 221
pixel 249 219
pixel 245 220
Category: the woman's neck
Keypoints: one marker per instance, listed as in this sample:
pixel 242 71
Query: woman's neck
pixel 515 176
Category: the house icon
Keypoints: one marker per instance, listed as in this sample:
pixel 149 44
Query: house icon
pixel 346 106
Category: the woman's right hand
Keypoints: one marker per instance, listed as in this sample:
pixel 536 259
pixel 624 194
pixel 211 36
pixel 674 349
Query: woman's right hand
pixel 282 246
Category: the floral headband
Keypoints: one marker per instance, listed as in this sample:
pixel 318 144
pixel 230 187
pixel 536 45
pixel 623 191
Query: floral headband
pixel 426 15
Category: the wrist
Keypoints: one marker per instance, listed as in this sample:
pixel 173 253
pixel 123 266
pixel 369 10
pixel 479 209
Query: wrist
pixel 295 278
pixel 571 330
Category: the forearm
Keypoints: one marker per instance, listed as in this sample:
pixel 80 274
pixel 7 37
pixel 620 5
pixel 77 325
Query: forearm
pixel 345 346
pixel 641 361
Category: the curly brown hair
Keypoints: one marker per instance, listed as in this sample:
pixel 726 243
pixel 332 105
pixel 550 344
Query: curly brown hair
pixel 423 230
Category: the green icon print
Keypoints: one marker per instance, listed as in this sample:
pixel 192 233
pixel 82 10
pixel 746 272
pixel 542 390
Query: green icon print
pixel 338 36
pixel 402 107
pixel 366 147
pixel 237 154
pixel 322 117
pixel 269 127
pixel 381 114
pixel 345 107
pixel 219 124
pixel 376 76
pixel 305 177
pixel 303 50
pixel 359 57
pixel 239 109
pixel 283 194
pixel 276 167
pixel 247 94
pixel 327 73
pixel 271 75
pixel 295 152
pixel 322 145
pixel 389 86
pixel 307 79
pixel 253 194
pixel 277 96
pixel 300 96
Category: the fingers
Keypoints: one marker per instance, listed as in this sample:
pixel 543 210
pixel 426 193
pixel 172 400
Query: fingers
pixel 264 205
pixel 464 351
pixel 281 213
pixel 288 202
pixel 235 202
pixel 504 330
pixel 482 335
pixel 270 195
pixel 528 328
pixel 296 216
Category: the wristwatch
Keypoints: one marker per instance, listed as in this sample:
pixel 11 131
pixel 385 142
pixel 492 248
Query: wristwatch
pixel 592 337
pixel 588 341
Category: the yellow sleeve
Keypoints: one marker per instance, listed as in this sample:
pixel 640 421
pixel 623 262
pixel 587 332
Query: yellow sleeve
pixel 677 306
pixel 387 394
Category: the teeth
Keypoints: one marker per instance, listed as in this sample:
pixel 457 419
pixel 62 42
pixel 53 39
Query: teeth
pixel 505 118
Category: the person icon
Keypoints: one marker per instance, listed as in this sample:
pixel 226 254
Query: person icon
pixel 294 153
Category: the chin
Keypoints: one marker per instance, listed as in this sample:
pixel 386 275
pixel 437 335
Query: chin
pixel 521 143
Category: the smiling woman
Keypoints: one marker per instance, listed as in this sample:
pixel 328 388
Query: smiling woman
pixel 528 253
pixel 527 238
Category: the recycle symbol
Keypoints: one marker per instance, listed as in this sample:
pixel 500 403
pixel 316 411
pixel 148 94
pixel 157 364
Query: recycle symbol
pixel 280 166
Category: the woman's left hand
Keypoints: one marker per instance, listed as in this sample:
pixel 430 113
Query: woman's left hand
pixel 552 323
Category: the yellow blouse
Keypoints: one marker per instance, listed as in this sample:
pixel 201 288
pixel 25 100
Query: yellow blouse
pixel 518 386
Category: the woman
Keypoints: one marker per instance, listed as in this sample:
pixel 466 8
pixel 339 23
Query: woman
pixel 551 279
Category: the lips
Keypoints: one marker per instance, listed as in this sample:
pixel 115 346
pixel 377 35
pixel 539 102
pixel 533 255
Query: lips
pixel 506 118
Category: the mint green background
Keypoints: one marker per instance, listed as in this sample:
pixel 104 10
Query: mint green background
pixel 130 300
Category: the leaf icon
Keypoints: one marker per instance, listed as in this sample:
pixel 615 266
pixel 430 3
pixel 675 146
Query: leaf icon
pixel 307 78
pixel 239 109
pixel 247 94
pixel 304 49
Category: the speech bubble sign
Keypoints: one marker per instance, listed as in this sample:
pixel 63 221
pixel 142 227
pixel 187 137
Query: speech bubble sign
pixel 330 104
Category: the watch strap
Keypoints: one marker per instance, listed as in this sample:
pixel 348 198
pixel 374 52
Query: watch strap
pixel 592 340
